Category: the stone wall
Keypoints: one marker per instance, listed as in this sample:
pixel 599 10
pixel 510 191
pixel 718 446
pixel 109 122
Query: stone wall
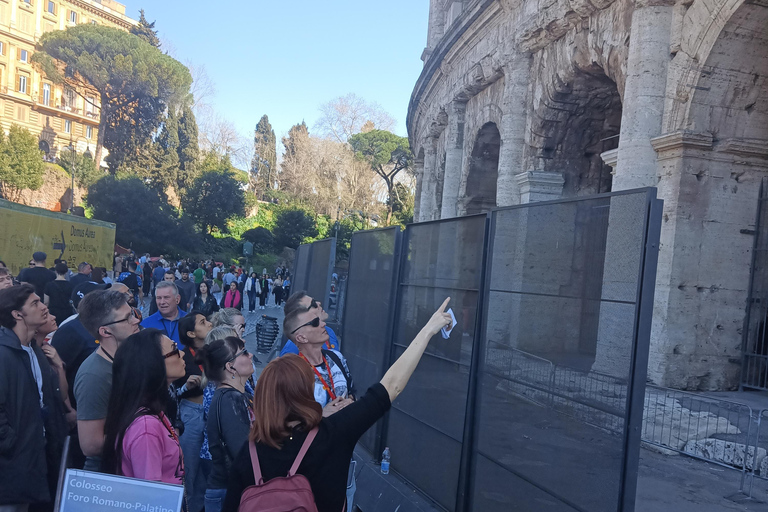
pixel 606 95
pixel 55 194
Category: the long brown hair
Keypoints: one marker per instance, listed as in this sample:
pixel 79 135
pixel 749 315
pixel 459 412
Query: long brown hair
pixel 284 393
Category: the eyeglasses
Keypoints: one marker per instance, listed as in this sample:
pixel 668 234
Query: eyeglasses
pixel 314 304
pixel 244 351
pixel 315 322
pixel 173 352
pixel 133 314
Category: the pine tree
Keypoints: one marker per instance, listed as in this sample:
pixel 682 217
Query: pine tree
pixel 188 150
pixel 146 30
pixel 295 131
pixel 264 163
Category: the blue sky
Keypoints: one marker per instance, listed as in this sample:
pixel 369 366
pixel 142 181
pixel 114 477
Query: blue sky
pixel 286 58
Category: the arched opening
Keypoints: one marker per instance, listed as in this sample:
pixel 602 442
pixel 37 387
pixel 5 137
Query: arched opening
pixel 483 170
pixel 730 102
pixel 577 117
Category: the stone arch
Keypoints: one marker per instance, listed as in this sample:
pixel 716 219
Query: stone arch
pixel 701 27
pixel 730 99
pixel 483 170
pixel 575 109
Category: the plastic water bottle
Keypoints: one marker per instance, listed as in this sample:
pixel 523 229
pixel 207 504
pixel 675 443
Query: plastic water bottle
pixel 385 461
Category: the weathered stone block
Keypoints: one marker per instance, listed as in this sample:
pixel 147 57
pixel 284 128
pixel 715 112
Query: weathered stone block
pixel 726 452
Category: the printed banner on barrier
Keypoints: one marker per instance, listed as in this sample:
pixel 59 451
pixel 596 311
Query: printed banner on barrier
pixel 85 491
pixel 24 230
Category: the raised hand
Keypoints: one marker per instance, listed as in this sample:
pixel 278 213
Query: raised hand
pixel 439 319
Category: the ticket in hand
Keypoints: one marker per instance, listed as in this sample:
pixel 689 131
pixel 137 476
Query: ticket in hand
pixel 445 331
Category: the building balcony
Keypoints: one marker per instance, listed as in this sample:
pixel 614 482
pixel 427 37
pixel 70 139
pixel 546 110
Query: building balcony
pixel 40 102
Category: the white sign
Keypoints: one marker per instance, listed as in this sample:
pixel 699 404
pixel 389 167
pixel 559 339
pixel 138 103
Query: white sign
pixel 85 491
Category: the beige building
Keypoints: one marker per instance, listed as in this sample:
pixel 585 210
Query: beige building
pixel 57 115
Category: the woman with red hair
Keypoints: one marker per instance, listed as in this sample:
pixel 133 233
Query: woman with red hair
pixel 286 413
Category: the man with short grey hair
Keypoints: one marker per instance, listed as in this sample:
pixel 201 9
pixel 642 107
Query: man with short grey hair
pixel 168 311
pixel 106 315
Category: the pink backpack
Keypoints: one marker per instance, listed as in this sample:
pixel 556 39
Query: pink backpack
pixel 290 493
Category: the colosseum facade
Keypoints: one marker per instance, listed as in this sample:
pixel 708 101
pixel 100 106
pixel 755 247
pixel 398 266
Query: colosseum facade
pixel 531 100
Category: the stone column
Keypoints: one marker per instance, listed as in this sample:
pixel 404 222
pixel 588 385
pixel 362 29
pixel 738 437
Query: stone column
pixel 539 186
pixel 644 93
pixel 516 80
pixel 428 199
pixel 418 167
pixel 454 156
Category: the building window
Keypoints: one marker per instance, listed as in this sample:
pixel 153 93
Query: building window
pixel 68 99
pixel 72 17
pixel 23 55
pixel 67 126
pixel 47 94
pixel 2 48
pixel 28 2
pixel 51 8
pixel 21 113
pixel 22 84
pixel 90 101
pixel 89 132
pixel 25 22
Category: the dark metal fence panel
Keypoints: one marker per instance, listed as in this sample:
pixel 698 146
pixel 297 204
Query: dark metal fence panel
pixel 426 424
pixel 369 310
pixel 559 387
pixel 301 264
pixel 754 364
pixel 323 258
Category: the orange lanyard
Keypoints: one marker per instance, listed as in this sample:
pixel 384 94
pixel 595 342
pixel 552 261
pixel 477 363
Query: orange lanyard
pixel 329 389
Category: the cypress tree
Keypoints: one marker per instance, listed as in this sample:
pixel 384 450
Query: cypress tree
pixel 188 149
pixel 264 162
pixel 146 30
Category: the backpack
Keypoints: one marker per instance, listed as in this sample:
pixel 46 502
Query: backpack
pixel 350 383
pixel 290 493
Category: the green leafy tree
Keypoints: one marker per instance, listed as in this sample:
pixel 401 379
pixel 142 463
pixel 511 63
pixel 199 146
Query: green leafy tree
pixel 264 162
pixel 292 227
pixel 21 163
pixel 144 220
pixel 289 142
pixel 146 30
pixel 136 82
pixel 188 150
pixel 262 239
pixel 387 154
pixel 214 198
pixel 403 201
pixel 86 171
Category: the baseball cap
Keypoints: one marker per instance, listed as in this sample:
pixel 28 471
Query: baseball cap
pixel 39 256
pixel 85 288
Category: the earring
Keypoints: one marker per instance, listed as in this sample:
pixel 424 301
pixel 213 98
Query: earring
pixel 233 377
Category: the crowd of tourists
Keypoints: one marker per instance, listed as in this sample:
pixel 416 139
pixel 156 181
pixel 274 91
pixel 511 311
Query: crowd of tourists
pixel 148 374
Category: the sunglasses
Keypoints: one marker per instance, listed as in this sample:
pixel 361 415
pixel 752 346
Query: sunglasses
pixel 314 304
pixel 133 314
pixel 244 351
pixel 173 352
pixel 315 322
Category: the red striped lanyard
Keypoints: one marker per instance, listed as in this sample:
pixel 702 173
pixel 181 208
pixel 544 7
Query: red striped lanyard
pixel 330 389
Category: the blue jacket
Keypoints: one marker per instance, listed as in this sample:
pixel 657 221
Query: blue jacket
pixel 291 348
pixel 169 327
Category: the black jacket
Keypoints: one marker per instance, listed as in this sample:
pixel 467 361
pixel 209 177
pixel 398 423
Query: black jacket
pixel 31 440
pixel 208 308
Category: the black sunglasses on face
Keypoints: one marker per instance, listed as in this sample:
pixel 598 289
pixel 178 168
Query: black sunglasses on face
pixel 314 304
pixel 173 352
pixel 315 322
pixel 244 351
pixel 133 314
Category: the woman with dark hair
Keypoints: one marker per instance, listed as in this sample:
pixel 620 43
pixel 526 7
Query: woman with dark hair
pixel 277 289
pixel 286 414
pixel 232 298
pixel 139 439
pixel 193 329
pixel 204 301
pixel 228 364
pixel 263 291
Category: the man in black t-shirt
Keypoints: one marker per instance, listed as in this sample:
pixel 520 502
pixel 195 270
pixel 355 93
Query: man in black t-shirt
pixel 58 293
pixel 37 275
